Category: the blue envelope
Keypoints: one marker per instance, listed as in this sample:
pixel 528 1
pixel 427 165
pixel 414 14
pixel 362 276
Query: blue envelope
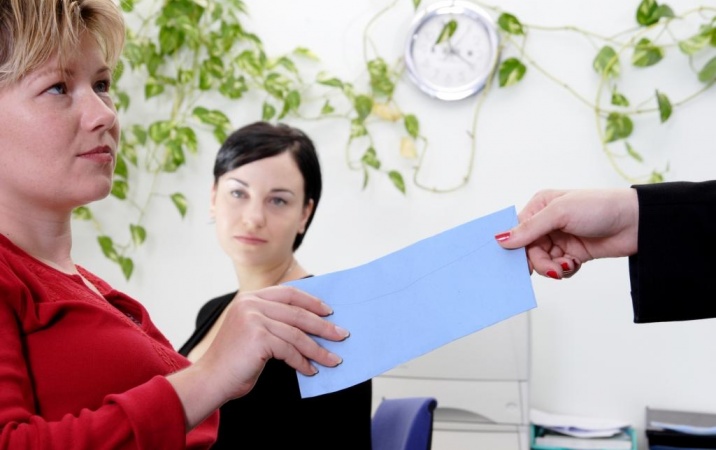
pixel 417 299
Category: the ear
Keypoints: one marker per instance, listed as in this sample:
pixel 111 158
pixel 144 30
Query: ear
pixel 307 211
pixel 212 205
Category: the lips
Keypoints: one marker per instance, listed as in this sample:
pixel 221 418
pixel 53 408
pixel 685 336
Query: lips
pixel 250 240
pixel 100 154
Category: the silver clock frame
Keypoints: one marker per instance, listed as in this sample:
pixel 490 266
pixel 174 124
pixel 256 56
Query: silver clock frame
pixel 452 7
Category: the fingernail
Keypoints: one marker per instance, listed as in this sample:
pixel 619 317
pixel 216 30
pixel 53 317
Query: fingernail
pixel 553 274
pixel 565 266
pixel 502 236
pixel 328 309
pixel 342 331
pixel 314 371
pixel 335 359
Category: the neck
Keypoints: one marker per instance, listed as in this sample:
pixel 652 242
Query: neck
pixel 48 239
pixel 252 278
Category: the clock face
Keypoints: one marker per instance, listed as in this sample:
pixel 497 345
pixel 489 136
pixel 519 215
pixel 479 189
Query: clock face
pixel 452 50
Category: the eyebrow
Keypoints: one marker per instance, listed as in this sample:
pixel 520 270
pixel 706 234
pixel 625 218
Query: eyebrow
pixel 65 74
pixel 274 190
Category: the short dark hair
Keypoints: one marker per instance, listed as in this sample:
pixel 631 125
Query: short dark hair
pixel 261 140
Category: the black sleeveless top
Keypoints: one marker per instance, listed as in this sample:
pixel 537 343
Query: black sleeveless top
pixel 274 416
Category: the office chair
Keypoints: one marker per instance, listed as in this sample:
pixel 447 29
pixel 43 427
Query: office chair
pixel 403 424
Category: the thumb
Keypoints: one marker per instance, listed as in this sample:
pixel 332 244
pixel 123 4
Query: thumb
pixel 525 232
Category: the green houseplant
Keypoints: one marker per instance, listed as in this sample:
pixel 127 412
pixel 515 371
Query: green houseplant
pixel 184 54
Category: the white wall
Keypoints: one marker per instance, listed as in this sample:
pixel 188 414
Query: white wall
pixel 588 356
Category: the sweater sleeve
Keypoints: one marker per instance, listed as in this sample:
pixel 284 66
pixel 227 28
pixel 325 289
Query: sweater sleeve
pixel 149 416
pixel 672 273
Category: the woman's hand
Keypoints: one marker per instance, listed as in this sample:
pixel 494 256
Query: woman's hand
pixel 562 230
pixel 274 322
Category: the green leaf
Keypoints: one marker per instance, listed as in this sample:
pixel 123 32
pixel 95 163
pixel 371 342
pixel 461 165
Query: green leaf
pixel 82 213
pixel 127 266
pixel 128 152
pixel 633 153
pixel 358 128
pixel 186 136
pixel 412 126
pixel 397 180
pixel 233 87
pixel 170 39
pixel 619 99
pixel 174 156
pixel 664 106
pixel 606 63
pixel 160 131
pixel 152 88
pixel 291 103
pixel 380 82
pixel 363 106
pixel 511 72
pixel 268 111
pixel 139 234
pixel 370 158
pixel 656 177
pixel 447 31
pixel 306 53
pixel 327 108
pixel 140 133
pixel 252 63
pixel 211 117
pixel 619 126
pixel 122 102
pixel 120 169
pixel 694 44
pixel 510 24
pixel 107 246
pixel 708 73
pixel 646 54
pixel 180 202
pixel 120 189
pixel 416 3
pixel 286 63
pixel 277 85
pixel 127 5
pixel 650 12
pixel 333 82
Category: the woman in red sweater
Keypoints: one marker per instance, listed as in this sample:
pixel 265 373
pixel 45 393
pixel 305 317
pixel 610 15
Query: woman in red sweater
pixel 81 365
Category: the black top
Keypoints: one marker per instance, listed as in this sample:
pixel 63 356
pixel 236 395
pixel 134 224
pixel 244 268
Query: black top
pixel 672 275
pixel 273 415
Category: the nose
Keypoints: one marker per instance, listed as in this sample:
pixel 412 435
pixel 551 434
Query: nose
pixel 254 215
pixel 98 112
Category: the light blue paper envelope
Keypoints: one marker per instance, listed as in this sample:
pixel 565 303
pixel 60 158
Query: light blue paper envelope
pixel 417 299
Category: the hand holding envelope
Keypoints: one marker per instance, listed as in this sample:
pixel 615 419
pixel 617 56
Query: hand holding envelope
pixel 417 299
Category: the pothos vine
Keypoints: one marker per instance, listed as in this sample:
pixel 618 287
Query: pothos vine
pixel 184 53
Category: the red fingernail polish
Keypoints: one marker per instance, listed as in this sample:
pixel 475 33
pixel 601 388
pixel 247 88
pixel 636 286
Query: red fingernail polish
pixel 502 236
pixel 565 266
pixel 553 274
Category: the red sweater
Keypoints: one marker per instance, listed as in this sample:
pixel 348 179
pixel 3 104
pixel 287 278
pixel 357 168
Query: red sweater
pixel 80 371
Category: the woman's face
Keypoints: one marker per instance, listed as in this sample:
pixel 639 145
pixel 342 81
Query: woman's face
pixel 259 209
pixel 59 134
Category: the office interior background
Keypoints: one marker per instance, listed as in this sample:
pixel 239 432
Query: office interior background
pixel 587 357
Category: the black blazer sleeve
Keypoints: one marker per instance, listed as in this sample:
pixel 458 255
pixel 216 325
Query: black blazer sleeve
pixel 673 274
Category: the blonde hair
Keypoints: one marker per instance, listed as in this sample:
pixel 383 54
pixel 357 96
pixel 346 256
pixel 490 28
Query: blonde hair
pixel 33 31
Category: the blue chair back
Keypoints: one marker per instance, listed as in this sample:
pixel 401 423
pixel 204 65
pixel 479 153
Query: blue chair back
pixel 403 424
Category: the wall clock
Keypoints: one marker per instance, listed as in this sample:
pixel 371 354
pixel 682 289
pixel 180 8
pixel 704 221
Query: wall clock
pixel 452 49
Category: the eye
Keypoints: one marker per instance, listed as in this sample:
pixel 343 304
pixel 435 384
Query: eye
pixel 238 193
pixel 102 86
pixel 278 201
pixel 58 89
